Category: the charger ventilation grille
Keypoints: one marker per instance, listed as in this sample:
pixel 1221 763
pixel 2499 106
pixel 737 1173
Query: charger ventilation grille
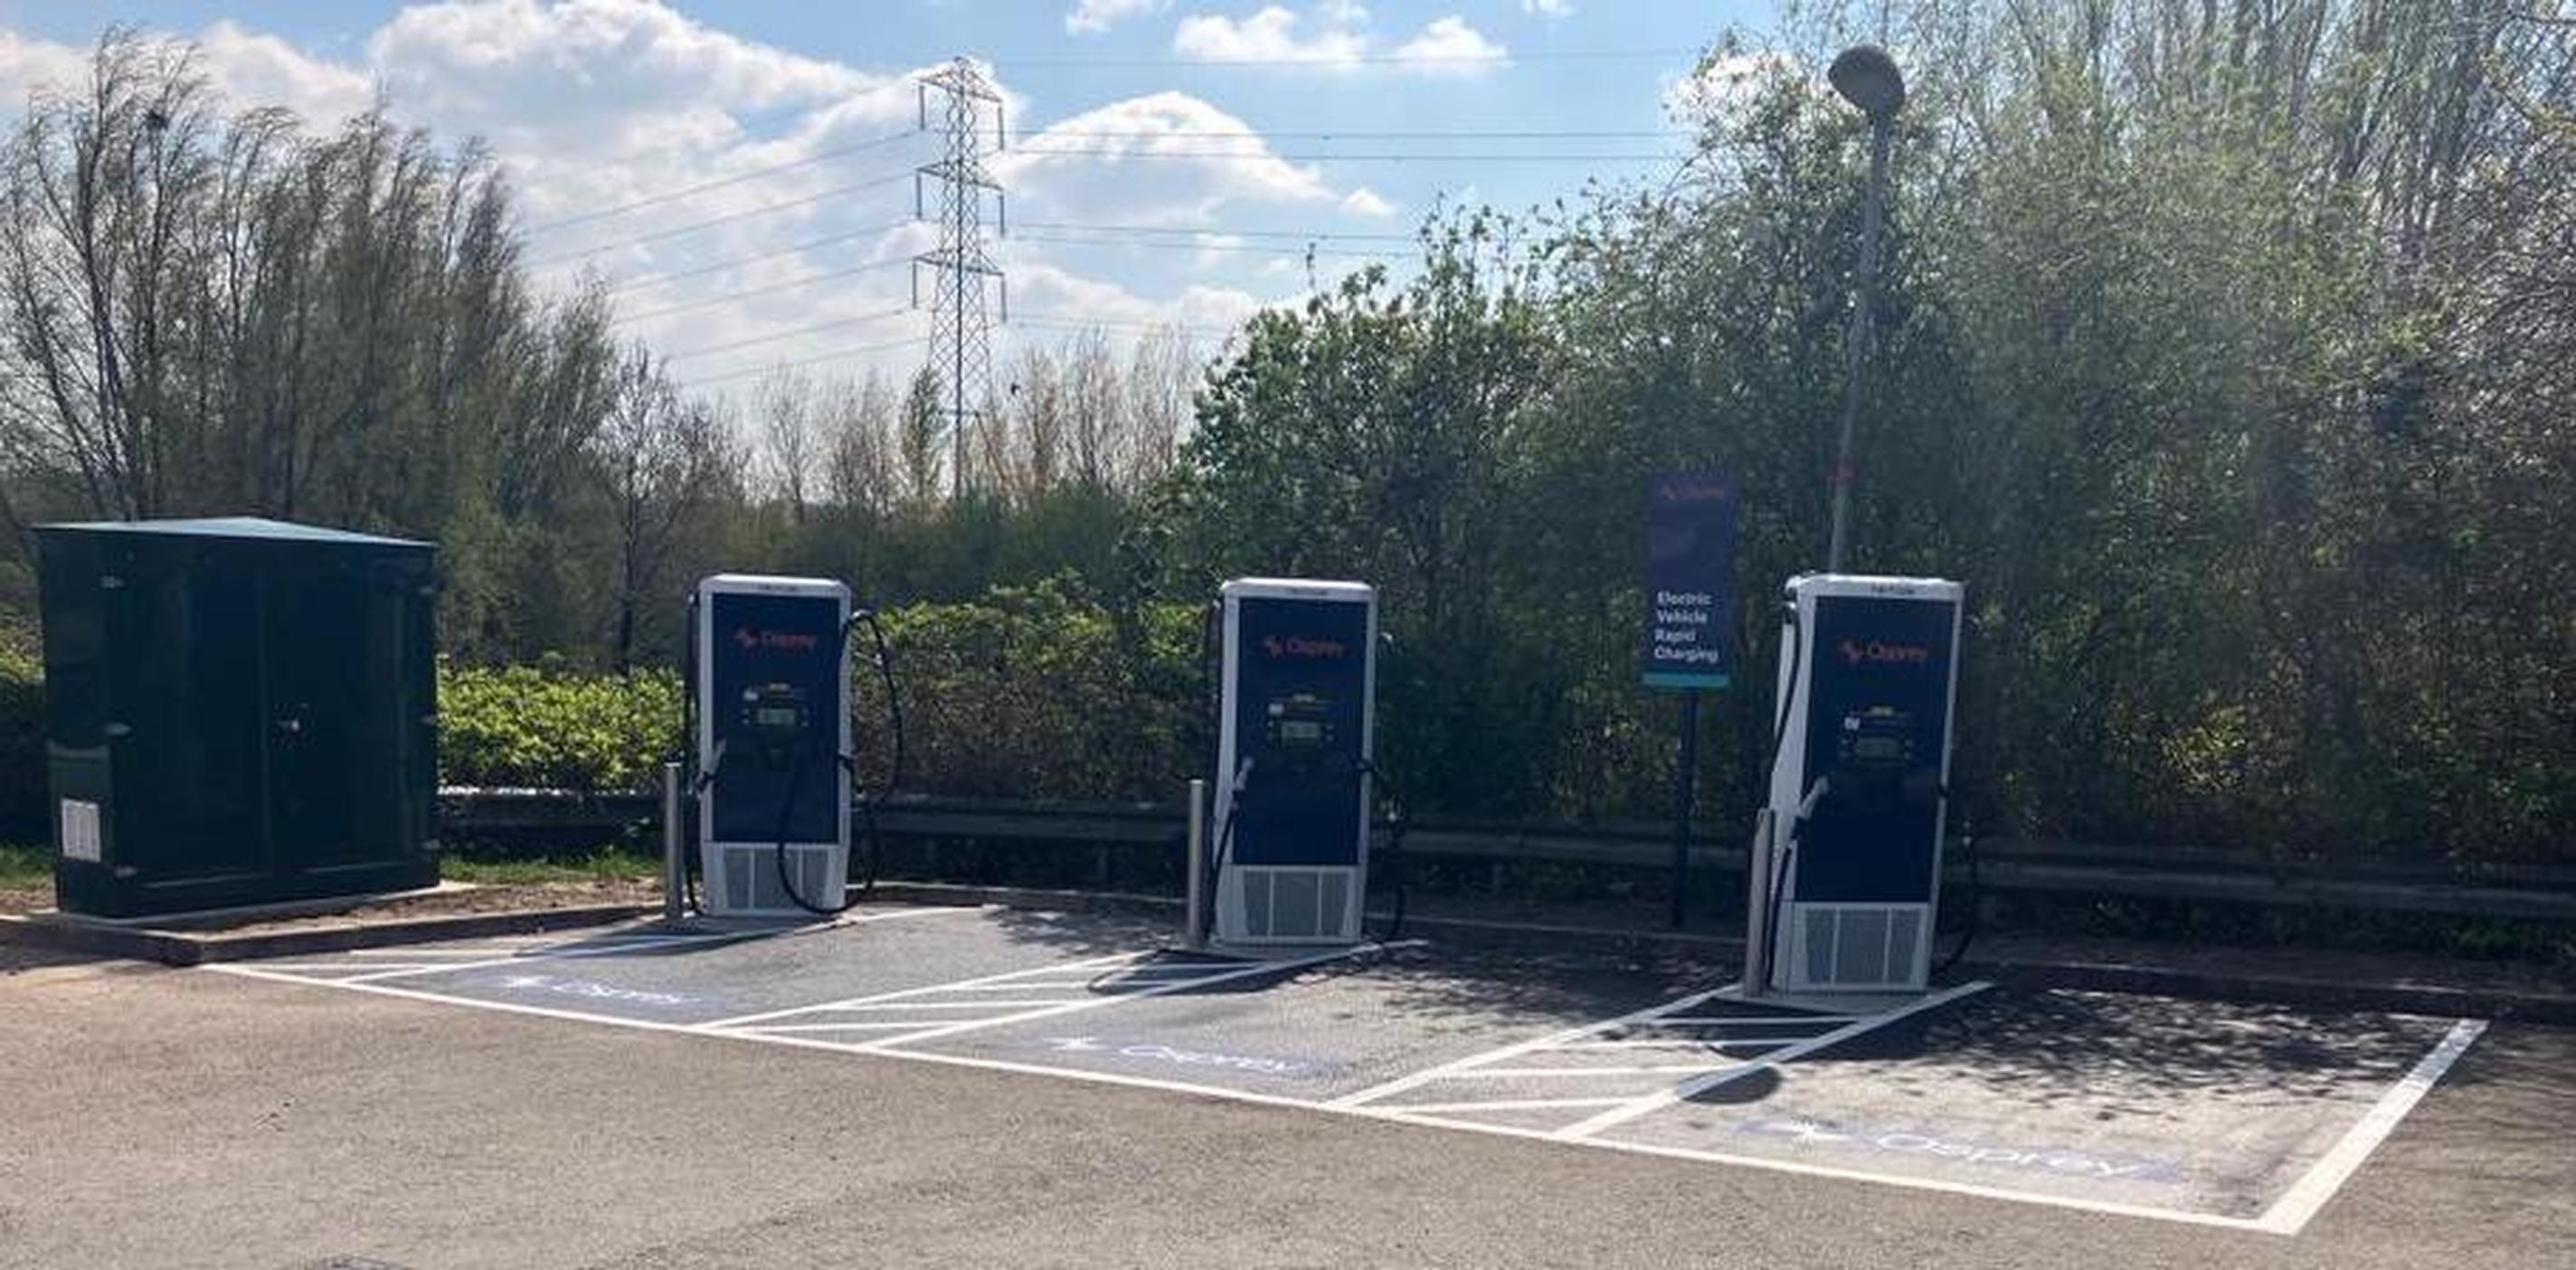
pixel 1847 946
pixel 1297 905
pixel 751 879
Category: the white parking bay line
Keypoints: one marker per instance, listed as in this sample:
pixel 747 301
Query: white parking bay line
pixel 1506 1104
pixel 2308 1196
pixel 878 1025
pixel 826 1007
pixel 1685 1044
pixel 620 942
pixel 986 1004
pixel 1756 1020
pixel 339 969
pixel 559 952
pixel 1166 968
pixel 1027 985
pixel 1251 970
pixel 1664 1098
pixel 1659 1069
pixel 1549 1041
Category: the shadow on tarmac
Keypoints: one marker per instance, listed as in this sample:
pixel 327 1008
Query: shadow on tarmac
pixel 2139 1052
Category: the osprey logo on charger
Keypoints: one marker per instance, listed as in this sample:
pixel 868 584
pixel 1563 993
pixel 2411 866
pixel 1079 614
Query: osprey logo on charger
pixel 1877 653
pixel 782 641
pixel 1300 646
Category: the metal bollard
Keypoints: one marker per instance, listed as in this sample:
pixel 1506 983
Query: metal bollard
pixel 1757 910
pixel 1195 911
pixel 675 866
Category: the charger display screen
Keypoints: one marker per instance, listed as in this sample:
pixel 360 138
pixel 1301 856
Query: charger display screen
pixel 1878 749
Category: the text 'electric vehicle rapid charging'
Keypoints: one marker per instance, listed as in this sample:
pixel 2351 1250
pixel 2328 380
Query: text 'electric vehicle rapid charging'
pixel 1847 866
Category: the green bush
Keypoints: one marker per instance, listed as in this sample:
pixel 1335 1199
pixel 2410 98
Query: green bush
pixel 550 727
pixel 1039 692
pixel 23 815
pixel 1045 692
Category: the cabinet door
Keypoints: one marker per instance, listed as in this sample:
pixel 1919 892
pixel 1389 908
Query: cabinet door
pixel 346 715
pixel 183 718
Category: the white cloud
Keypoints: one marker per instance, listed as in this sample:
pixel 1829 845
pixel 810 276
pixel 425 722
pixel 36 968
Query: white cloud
pixel 1041 287
pixel 1334 34
pixel 610 115
pixel 1450 46
pixel 241 68
pixel 1549 9
pixel 1363 201
pixel 252 69
pixel 1091 17
pixel 1722 84
pixel 1166 157
pixel 27 65
pixel 622 76
pixel 1271 35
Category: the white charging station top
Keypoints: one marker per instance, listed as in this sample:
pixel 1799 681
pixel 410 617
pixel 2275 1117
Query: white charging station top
pixel 766 584
pixel 1813 584
pixel 1297 589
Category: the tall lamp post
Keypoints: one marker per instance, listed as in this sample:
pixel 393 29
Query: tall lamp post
pixel 1866 77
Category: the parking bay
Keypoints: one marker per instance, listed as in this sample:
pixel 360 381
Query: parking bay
pixel 2226 1114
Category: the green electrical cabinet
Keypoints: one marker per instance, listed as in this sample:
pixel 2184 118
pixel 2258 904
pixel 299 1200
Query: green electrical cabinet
pixel 238 711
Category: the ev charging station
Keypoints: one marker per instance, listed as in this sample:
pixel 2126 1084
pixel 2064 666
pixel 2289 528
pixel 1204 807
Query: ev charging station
pixel 1846 867
pixel 1295 741
pixel 773 730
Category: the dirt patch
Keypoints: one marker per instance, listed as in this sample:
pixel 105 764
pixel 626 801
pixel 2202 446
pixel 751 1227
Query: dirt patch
pixel 525 897
pixel 486 898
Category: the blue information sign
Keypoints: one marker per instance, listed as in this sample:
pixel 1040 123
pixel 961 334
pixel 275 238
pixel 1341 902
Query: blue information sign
pixel 1690 581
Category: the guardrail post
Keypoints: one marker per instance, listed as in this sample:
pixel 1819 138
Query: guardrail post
pixel 675 876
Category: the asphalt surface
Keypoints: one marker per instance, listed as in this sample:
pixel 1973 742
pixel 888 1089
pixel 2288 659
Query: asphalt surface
pixel 198 1118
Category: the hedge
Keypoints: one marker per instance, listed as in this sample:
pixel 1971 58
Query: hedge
pixel 1040 692
pixel 555 728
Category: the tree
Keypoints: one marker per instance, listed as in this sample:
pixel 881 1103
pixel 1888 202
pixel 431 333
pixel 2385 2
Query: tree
pixel 921 436
pixel 660 460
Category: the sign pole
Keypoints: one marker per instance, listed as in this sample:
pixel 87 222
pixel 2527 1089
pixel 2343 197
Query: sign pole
pixel 1685 777
pixel 1690 618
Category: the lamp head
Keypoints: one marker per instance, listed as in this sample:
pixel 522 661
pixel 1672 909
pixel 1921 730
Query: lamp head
pixel 1867 77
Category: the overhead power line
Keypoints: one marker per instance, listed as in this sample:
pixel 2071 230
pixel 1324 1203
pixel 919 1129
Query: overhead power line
pixel 667 196
pixel 774 336
pixel 1109 134
pixel 730 297
pixel 1366 59
pixel 1078 322
pixel 726 219
pixel 1318 235
pixel 835 355
pixel 1360 134
pixel 1373 157
pixel 1063 323
pixel 696 271
pixel 1269 249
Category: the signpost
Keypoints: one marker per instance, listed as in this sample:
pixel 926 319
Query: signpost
pixel 1690 620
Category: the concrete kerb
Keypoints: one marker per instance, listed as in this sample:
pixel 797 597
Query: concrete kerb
pixel 190 948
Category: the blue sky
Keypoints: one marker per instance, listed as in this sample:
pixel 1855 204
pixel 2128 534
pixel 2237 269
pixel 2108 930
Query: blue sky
pixel 1195 143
